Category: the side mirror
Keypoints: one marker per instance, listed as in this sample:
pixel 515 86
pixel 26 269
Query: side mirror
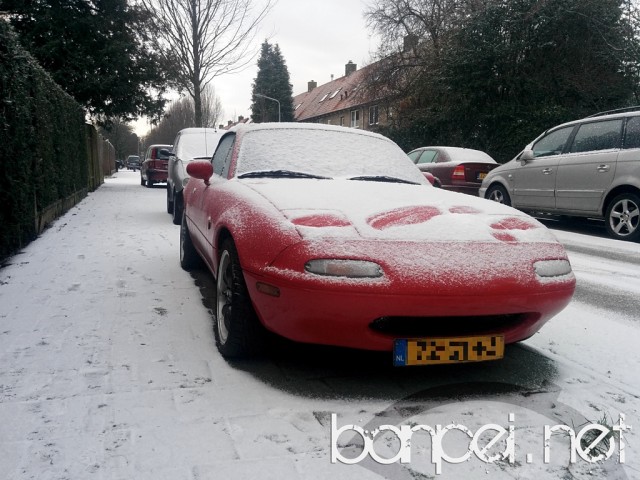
pixel 432 179
pixel 200 169
pixel 526 156
pixel 165 152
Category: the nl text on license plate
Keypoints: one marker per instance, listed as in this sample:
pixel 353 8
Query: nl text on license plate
pixel 431 351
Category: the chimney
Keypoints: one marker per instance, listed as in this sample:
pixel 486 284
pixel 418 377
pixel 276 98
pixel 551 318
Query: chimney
pixel 240 118
pixel 409 42
pixel 229 123
pixel 311 85
pixel 349 68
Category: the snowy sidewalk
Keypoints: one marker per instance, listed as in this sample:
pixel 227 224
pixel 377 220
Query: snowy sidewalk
pixel 108 367
pixel 108 370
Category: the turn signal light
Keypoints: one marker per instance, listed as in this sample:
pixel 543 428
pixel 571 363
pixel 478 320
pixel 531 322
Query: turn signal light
pixel 267 289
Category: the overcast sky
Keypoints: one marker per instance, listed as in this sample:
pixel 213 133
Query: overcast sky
pixel 316 37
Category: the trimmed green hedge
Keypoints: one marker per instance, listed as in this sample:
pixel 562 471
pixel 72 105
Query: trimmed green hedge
pixel 43 144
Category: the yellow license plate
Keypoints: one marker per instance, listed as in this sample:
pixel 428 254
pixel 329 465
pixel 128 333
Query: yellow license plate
pixel 481 175
pixel 433 351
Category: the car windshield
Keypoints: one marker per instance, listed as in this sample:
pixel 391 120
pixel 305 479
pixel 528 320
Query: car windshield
pixel 198 144
pixel 326 153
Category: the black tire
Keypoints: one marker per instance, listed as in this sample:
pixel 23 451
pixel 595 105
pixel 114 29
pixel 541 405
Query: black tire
pixel 149 183
pixel 177 208
pixel 499 194
pixel 623 216
pixel 169 200
pixel 142 182
pixel 189 258
pixel 239 333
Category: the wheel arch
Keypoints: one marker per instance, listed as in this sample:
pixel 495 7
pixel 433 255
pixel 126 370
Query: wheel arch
pixel 620 189
pixel 498 182
pixel 223 235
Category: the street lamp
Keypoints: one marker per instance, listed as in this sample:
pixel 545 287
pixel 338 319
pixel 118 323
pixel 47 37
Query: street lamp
pixel 269 98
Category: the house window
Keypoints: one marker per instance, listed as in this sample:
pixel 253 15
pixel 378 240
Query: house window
pixel 355 118
pixel 373 115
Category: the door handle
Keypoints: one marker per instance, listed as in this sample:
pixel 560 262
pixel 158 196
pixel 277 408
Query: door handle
pixel 603 168
pixel 547 171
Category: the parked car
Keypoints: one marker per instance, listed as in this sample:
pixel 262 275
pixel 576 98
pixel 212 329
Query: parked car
pixel 453 168
pixel 586 168
pixel 190 144
pixel 133 162
pixel 154 166
pixel 329 235
pixel 119 164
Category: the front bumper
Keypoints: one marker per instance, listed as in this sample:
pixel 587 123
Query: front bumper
pixel 450 299
pixel 349 320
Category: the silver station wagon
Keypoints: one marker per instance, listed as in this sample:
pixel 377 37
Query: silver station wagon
pixel 586 168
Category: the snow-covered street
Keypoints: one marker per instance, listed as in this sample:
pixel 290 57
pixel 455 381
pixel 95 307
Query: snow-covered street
pixel 108 370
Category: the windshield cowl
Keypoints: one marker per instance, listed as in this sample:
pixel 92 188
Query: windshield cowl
pixel 281 174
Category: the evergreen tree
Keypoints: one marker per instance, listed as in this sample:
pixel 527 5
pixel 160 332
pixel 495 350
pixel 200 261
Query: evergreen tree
pixel 98 51
pixel 272 80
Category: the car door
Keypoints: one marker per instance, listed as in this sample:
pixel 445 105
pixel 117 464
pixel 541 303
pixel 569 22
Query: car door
pixel 211 208
pixel 534 180
pixel 586 171
pixel 194 198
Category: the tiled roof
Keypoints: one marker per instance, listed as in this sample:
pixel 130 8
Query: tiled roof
pixel 339 94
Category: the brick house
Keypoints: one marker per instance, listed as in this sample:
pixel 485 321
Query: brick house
pixel 343 101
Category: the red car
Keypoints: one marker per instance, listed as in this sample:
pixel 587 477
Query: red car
pixel 330 235
pixel 154 167
pixel 453 168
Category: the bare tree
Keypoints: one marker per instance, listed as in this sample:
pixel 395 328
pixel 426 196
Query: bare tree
pixel 121 136
pixel 180 114
pixel 412 33
pixel 412 21
pixel 206 38
pixel 211 107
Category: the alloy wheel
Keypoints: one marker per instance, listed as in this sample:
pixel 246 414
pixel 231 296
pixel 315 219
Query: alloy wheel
pixel 624 217
pixel 224 296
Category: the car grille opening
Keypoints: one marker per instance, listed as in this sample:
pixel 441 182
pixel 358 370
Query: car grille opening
pixel 407 327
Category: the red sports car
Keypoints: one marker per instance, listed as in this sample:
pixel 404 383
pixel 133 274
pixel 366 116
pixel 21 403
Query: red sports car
pixel 331 235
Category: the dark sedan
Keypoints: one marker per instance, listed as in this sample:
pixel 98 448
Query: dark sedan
pixel 456 169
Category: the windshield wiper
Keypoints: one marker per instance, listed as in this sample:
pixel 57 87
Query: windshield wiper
pixel 383 178
pixel 281 174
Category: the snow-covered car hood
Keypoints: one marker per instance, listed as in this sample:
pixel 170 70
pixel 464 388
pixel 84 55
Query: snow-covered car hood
pixel 385 211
